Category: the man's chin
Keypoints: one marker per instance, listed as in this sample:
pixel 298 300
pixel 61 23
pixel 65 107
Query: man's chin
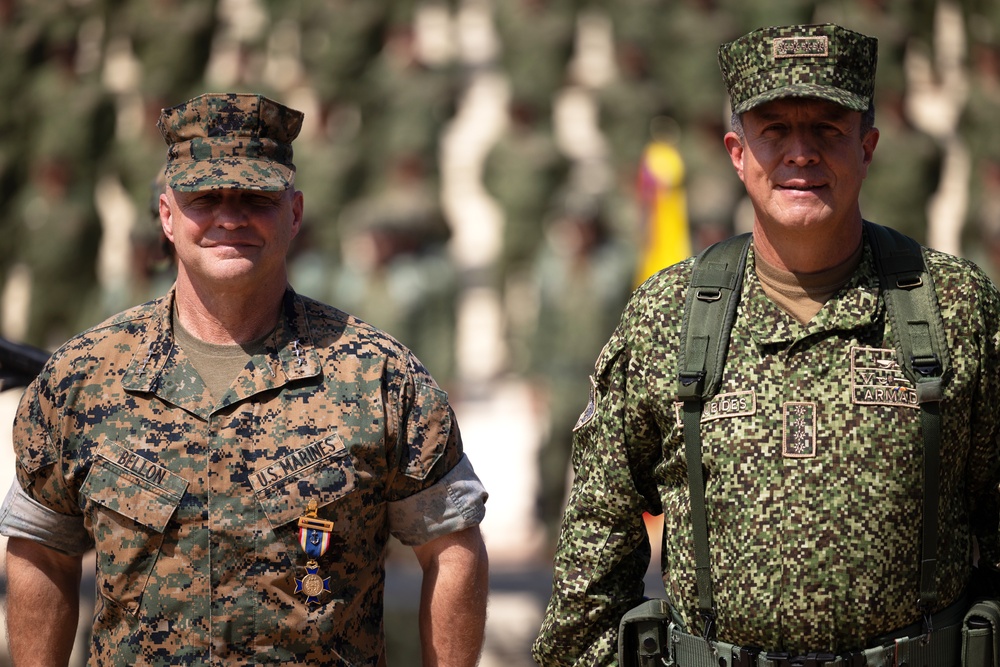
pixel 234 270
pixel 803 212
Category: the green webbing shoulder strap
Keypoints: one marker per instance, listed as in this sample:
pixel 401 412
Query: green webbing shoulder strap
pixel 713 294
pixel 912 308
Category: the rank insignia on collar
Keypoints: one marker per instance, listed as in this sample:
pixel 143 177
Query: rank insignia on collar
pixel 312 584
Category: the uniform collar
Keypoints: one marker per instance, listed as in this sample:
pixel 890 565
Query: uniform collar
pixel 855 306
pixel 160 368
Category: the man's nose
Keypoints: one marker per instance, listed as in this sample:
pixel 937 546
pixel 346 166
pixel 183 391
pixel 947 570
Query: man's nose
pixel 801 148
pixel 230 213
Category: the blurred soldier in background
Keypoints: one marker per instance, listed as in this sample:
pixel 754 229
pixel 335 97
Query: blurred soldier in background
pixel 59 230
pixel 625 105
pixel 405 105
pixel 396 274
pixel 582 279
pixel 522 171
pixel 536 41
pixel 154 261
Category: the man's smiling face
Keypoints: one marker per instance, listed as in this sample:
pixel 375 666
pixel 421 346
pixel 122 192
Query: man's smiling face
pixel 802 161
pixel 231 237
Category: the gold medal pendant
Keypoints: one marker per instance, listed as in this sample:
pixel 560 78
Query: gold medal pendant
pixel 312 584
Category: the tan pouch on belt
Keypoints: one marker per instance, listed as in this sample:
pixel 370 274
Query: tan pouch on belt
pixel 981 635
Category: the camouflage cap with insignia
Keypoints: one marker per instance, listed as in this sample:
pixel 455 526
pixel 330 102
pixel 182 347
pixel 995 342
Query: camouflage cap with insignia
pixel 219 141
pixel 822 61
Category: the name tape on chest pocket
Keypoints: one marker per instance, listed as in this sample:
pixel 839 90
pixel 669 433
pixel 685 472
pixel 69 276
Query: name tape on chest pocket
pixel 142 469
pixel 295 463
pixel 733 404
pixel 133 486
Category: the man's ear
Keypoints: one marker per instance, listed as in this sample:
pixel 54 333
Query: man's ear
pixel 166 218
pixel 734 146
pixel 298 208
pixel 868 146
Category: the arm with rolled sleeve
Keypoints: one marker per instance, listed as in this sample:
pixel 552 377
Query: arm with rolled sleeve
pixel 43 602
pixel 453 598
pixel 45 547
pixel 43 568
pixel 440 522
pixel 441 525
pixel 603 549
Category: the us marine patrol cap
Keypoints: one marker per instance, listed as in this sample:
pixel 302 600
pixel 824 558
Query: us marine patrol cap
pixel 822 61
pixel 220 141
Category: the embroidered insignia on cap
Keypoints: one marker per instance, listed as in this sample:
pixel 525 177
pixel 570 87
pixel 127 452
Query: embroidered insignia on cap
pixel 798 440
pixel 791 47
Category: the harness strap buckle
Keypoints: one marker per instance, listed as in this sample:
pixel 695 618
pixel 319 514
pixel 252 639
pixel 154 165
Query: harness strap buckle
pixel 747 656
pixel 928 624
pixel 807 660
pixel 927 366
pixel 778 658
pixel 854 659
pixel 689 378
pixel 708 294
pixel 708 619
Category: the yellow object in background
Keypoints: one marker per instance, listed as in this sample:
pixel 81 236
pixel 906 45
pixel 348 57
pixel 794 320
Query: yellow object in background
pixel 666 238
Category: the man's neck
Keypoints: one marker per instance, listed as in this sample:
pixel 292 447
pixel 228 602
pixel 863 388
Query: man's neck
pixel 806 251
pixel 227 318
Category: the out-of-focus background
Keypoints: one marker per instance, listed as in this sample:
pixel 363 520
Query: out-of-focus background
pixel 485 179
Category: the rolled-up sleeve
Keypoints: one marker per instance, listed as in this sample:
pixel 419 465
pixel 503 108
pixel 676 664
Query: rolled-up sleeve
pixel 455 502
pixel 23 517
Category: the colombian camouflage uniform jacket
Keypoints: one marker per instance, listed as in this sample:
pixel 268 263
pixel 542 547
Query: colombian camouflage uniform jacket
pixel 193 504
pixel 813 470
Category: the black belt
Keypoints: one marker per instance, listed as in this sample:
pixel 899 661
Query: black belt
pixel 909 645
pixel 939 649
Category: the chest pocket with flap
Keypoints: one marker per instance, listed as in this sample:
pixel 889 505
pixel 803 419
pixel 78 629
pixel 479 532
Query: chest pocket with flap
pixel 321 471
pixel 128 502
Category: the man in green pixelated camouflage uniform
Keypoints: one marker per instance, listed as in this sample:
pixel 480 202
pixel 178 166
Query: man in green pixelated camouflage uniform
pixel 238 455
pixel 813 470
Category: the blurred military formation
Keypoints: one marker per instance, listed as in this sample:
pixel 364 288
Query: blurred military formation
pixel 84 81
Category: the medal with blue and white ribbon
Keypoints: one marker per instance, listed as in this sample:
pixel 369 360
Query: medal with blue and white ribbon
pixel 314 537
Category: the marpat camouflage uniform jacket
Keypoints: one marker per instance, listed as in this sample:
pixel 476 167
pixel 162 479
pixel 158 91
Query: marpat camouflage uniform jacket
pixel 193 504
pixel 813 471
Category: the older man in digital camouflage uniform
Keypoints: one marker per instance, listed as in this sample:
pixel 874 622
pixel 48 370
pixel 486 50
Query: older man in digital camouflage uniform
pixel 238 455
pixel 814 547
